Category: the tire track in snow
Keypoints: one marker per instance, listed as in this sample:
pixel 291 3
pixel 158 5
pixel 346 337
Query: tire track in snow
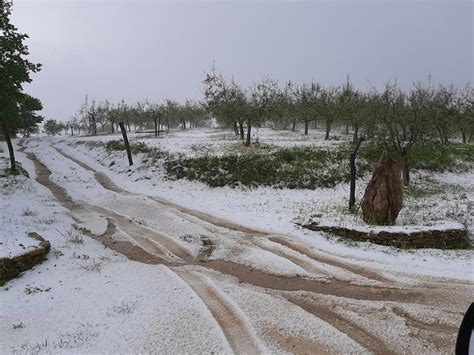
pixel 243 273
pixel 264 280
pixel 302 249
pixel 106 183
pixel 239 334
pixel 352 330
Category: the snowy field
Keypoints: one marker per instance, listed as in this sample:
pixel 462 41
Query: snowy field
pixel 278 210
pixel 215 141
pixel 92 299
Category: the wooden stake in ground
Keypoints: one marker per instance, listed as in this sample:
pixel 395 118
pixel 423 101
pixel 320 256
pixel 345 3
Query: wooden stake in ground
pixel 127 145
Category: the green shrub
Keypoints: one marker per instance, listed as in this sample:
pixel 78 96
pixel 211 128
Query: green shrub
pixel 114 145
pixel 294 168
pixel 429 156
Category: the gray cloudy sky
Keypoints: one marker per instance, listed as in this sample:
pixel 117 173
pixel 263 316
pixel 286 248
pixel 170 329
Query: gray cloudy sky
pixel 161 49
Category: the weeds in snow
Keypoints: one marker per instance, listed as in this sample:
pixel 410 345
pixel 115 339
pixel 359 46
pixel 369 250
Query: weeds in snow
pixel 18 325
pixel 56 252
pixel 66 341
pixel 34 290
pixel 207 247
pixel 125 307
pixel 72 236
pixel 46 221
pixel 92 265
pixel 27 212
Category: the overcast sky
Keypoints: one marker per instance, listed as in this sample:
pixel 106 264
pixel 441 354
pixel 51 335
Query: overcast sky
pixel 156 49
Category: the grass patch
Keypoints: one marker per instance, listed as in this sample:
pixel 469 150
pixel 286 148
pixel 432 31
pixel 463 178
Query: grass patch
pixel 92 265
pixel 27 212
pixel 72 236
pixel 416 191
pixel 293 168
pixel 19 171
pixel 428 156
pixel 296 167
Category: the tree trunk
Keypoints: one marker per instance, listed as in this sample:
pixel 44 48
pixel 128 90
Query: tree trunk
pixel 249 131
pixel 352 160
pixel 446 139
pixel 464 138
pixel 241 129
pixel 355 138
pixel 440 135
pixel 127 145
pixel 236 128
pixel 406 167
pixel 328 129
pixel 293 126
pixel 156 126
pixel 347 128
pixel 11 152
pixel 72 131
pixel 306 127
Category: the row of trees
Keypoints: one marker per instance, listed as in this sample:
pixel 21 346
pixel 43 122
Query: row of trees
pixel 392 117
pixel 403 117
pixel 18 110
pixel 94 117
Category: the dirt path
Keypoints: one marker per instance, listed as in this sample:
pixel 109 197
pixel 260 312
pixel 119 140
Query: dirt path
pixel 153 247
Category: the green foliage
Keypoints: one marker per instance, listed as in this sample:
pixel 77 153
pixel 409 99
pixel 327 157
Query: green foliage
pixel 427 155
pixel 52 127
pixel 18 171
pixel 16 108
pixel 294 168
pixel 416 191
pixel 113 145
pixel 307 167
pixel 28 118
pixel 136 148
pixel 15 69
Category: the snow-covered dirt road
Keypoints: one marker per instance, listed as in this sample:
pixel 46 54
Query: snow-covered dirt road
pixel 264 291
